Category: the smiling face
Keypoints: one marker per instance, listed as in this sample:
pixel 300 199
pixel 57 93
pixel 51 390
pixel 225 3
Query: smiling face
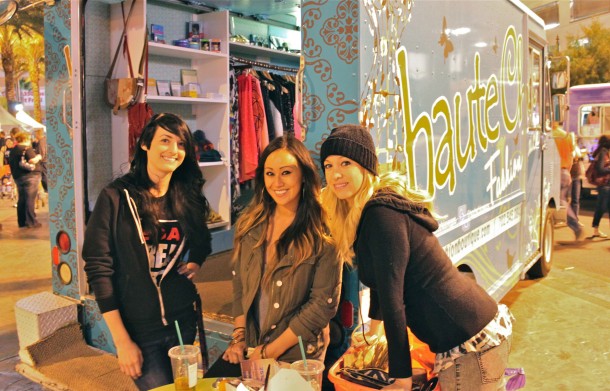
pixel 343 176
pixel 283 178
pixel 165 154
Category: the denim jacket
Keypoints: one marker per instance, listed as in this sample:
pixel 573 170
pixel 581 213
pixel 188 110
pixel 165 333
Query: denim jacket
pixel 305 300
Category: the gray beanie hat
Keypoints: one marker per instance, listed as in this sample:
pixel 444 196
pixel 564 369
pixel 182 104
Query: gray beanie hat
pixel 354 142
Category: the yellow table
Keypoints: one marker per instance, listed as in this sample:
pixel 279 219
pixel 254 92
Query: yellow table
pixel 202 385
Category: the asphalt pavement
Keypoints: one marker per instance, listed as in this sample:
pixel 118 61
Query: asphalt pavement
pixel 561 335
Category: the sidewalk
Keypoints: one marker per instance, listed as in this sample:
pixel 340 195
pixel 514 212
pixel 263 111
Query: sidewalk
pixel 26 261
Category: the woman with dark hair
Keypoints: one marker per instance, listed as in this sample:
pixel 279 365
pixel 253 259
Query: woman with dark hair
pixel 601 157
pixel 146 239
pixel 286 274
pixel 27 181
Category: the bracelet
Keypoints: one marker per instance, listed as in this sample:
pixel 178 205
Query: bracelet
pixel 238 332
pixel 235 341
pixel 263 351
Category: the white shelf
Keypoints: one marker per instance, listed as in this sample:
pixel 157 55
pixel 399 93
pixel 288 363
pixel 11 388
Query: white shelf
pixel 163 49
pixel 218 224
pixel 183 100
pixel 259 51
pixel 213 164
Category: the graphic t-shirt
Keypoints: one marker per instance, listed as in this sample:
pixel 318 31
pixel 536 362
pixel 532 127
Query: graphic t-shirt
pixel 170 243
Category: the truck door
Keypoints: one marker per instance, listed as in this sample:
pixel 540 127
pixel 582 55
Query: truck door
pixel 535 141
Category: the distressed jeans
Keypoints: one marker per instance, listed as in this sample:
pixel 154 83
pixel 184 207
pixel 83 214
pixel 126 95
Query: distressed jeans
pixel 477 371
pixel 157 367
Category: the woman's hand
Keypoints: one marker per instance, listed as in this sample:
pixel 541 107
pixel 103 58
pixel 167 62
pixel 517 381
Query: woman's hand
pixel 400 384
pixel 130 358
pixel 235 353
pixel 188 269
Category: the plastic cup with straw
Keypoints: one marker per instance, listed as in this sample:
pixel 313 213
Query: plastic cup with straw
pixel 302 352
pixel 179 336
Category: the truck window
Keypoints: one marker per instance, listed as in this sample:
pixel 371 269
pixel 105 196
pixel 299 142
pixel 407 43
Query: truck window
pixel 534 98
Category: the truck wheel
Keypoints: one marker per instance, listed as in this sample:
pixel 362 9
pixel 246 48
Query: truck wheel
pixel 543 266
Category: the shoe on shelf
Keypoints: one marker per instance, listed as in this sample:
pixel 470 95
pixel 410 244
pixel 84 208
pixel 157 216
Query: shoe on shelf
pixel 599 234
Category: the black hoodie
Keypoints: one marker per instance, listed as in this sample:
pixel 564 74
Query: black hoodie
pixel 413 282
pixel 117 268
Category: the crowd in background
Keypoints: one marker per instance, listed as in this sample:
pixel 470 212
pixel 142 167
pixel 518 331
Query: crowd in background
pixel 23 175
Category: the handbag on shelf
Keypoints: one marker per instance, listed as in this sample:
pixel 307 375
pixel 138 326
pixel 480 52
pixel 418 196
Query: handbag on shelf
pixel 24 164
pixel 122 93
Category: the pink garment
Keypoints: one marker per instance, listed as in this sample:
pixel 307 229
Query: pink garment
pixel 260 118
pixel 248 145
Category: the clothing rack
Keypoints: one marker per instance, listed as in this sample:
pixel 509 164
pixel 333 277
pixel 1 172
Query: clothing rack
pixel 264 65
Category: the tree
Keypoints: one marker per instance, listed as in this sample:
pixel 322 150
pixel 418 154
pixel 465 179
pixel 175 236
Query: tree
pixel 29 52
pixel 20 25
pixel 589 58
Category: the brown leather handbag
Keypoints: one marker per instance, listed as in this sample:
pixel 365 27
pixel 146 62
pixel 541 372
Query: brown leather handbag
pixel 122 93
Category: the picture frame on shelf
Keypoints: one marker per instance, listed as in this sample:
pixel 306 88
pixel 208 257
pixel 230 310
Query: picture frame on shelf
pixel 194 29
pixel 151 87
pixel 157 33
pixel 188 76
pixel 163 88
pixel 191 90
pixel 176 88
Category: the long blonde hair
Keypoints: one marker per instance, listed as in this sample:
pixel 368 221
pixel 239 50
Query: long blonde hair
pixel 344 219
pixel 307 234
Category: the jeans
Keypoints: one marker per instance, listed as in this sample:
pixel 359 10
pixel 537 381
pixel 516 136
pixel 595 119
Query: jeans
pixel 477 371
pixel 603 204
pixel 27 189
pixel 157 366
pixel 575 201
pixel 572 218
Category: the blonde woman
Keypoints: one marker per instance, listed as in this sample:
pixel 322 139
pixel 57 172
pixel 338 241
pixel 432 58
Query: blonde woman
pixel 389 231
pixel 287 277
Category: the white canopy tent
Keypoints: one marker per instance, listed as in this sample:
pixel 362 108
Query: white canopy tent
pixel 7 121
pixel 31 122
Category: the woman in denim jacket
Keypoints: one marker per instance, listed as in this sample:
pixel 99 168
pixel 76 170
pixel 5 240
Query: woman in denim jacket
pixel 286 274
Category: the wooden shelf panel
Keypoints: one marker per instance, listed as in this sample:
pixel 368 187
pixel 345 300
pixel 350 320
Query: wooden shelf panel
pixel 183 100
pixel 218 224
pixel 236 48
pixel 163 49
pixel 213 164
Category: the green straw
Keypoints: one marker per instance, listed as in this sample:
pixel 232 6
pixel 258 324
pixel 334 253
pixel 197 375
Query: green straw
pixel 179 336
pixel 302 352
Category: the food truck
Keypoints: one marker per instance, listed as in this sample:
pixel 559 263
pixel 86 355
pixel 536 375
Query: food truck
pixel 456 95
pixel 588 118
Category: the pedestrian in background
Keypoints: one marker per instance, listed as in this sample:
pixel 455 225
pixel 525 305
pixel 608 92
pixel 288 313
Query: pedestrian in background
pixel 135 250
pixel 577 172
pixel 286 278
pixel 27 181
pixel 601 157
pixel 565 147
pixel 389 231
pixel 40 146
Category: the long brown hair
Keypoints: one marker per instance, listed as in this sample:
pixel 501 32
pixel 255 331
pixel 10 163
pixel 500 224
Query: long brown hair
pixel 307 233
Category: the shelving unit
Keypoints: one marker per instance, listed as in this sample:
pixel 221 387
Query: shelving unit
pixel 263 52
pixel 209 112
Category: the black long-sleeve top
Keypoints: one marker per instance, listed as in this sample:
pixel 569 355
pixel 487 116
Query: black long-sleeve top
pixel 414 283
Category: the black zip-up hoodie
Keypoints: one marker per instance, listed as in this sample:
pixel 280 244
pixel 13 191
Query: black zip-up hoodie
pixel 413 282
pixel 117 267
